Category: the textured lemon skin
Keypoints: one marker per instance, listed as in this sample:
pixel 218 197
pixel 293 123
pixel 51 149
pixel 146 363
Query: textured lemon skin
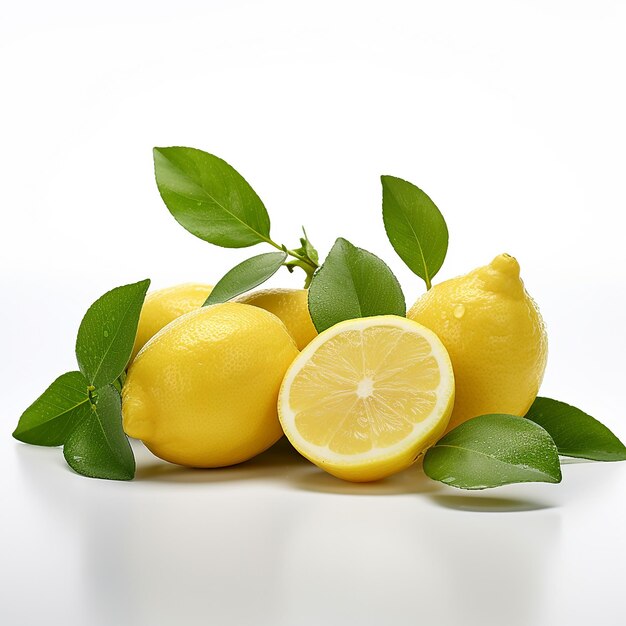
pixel 203 391
pixel 495 336
pixel 164 305
pixel 388 462
pixel 291 306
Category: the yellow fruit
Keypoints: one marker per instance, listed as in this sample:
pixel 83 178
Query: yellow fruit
pixel 291 306
pixel 165 305
pixel 495 337
pixel 366 397
pixel 203 391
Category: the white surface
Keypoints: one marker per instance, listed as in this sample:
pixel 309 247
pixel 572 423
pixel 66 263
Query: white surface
pixel 278 542
pixel 509 114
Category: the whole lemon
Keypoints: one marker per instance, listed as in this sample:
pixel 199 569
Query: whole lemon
pixel 165 305
pixel 203 391
pixel 494 334
pixel 291 306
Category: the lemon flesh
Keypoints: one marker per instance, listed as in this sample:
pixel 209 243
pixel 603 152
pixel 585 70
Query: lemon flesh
pixel 291 306
pixel 494 334
pixel 366 397
pixel 164 305
pixel 203 391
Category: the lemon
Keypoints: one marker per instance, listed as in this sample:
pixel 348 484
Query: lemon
pixel 366 397
pixel 165 305
pixel 203 390
pixel 494 334
pixel 291 306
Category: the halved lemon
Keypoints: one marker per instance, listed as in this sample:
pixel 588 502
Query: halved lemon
pixel 367 397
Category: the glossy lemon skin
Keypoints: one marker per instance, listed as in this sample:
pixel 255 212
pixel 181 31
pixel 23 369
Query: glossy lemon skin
pixel 291 306
pixel 495 336
pixel 203 391
pixel 164 305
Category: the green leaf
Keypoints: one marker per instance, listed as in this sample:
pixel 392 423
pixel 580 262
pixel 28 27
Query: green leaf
pixel 575 433
pixel 353 283
pixel 50 418
pixel 98 447
pixel 415 227
pixel 245 276
pixel 308 249
pixel 107 333
pixel 210 198
pixel 494 450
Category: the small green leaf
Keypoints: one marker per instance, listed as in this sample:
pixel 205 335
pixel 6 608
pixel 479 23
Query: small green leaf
pixel 494 450
pixel 353 283
pixel 210 198
pixel 107 333
pixel 245 276
pixel 50 418
pixel 415 227
pixel 98 447
pixel 575 433
pixel 308 248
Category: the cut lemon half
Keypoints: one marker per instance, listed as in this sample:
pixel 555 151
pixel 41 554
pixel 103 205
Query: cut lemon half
pixel 367 397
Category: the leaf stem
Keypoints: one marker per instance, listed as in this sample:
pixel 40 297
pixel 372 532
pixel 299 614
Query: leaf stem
pixel 93 398
pixel 118 383
pixel 302 260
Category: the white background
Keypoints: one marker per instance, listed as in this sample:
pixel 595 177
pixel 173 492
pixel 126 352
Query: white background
pixel 509 114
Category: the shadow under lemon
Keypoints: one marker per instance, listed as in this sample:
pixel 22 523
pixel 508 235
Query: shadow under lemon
pixel 282 463
pixel 279 461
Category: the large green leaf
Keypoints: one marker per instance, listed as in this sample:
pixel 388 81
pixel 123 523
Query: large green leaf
pixel 353 283
pixel 245 276
pixel 98 447
pixel 107 333
pixel 494 450
pixel 415 227
pixel 210 198
pixel 575 433
pixel 50 418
